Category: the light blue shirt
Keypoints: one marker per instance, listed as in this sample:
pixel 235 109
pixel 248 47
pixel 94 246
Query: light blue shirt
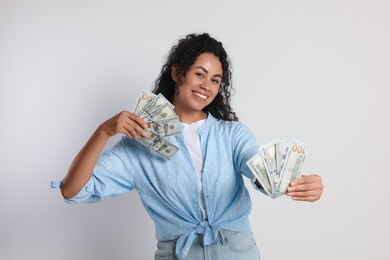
pixel 168 188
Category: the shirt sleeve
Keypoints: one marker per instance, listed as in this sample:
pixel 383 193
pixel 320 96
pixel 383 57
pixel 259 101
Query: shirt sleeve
pixel 111 176
pixel 245 148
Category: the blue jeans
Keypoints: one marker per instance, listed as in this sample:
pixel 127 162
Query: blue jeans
pixel 230 245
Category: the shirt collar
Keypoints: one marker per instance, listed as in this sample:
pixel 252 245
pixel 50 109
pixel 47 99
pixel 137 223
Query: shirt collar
pixel 210 120
pixel 206 125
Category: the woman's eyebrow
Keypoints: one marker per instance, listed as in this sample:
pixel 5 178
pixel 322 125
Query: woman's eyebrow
pixel 216 75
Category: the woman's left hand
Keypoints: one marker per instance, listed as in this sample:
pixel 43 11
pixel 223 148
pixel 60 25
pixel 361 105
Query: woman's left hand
pixel 306 188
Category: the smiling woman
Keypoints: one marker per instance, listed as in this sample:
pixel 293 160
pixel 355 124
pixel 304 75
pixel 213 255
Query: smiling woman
pixel 197 199
pixel 180 64
pixel 198 89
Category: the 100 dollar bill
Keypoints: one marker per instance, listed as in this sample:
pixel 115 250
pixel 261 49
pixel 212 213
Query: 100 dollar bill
pixel 161 121
pixel 257 166
pixel 163 147
pixel 293 165
pixel 143 100
pixel 277 164
pixel 164 127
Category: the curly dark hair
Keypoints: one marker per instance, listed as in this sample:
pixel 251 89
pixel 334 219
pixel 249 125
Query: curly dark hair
pixel 183 56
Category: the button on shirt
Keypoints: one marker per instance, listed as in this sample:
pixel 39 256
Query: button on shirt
pixel 168 188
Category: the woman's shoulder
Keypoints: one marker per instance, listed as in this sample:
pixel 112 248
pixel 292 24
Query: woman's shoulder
pixel 230 124
pixel 231 127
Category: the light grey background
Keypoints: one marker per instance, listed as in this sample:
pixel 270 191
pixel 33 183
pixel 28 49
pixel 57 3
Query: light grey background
pixel 313 70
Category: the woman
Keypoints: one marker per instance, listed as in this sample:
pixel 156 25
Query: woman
pixel 197 199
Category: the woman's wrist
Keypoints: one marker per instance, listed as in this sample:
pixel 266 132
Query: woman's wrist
pixel 102 132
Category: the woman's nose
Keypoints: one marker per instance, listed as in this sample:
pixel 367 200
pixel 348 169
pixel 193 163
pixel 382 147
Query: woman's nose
pixel 205 85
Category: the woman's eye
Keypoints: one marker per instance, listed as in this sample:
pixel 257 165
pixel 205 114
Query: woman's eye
pixel 216 81
pixel 200 75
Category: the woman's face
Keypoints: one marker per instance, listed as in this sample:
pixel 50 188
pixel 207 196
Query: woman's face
pixel 200 85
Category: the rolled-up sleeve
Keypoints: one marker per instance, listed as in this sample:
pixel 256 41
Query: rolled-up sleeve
pixel 111 176
pixel 245 148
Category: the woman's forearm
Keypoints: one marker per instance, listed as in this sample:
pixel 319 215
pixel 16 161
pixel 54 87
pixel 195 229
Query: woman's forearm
pixel 80 171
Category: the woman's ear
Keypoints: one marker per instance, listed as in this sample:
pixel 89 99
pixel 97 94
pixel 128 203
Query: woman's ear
pixel 174 73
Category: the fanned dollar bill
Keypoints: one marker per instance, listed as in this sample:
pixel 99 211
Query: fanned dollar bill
pixel 159 145
pixel 277 164
pixel 293 165
pixel 257 166
pixel 143 100
pixel 282 150
pixel 164 112
pixel 268 153
pixel 164 127
pixel 155 104
pixel 161 120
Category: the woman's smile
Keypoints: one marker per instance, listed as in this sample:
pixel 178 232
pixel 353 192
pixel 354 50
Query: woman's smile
pixel 199 96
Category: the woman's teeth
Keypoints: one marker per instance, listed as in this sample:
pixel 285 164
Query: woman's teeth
pixel 200 95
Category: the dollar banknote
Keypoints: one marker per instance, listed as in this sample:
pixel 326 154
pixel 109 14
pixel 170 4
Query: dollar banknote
pixel 155 104
pixel 143 100
pixel 158 144
pixel 257 166
pixel 161 121
pixel 282 149
pixel 164 127
pixel 277 164
pixel 268 153
pixel 164 112
pixel 292 167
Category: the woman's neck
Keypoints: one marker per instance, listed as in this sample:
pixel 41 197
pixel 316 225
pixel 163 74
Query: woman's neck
pixel 188 118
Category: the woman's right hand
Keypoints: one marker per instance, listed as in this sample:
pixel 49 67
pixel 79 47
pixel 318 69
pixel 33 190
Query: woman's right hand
pixel 126 123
